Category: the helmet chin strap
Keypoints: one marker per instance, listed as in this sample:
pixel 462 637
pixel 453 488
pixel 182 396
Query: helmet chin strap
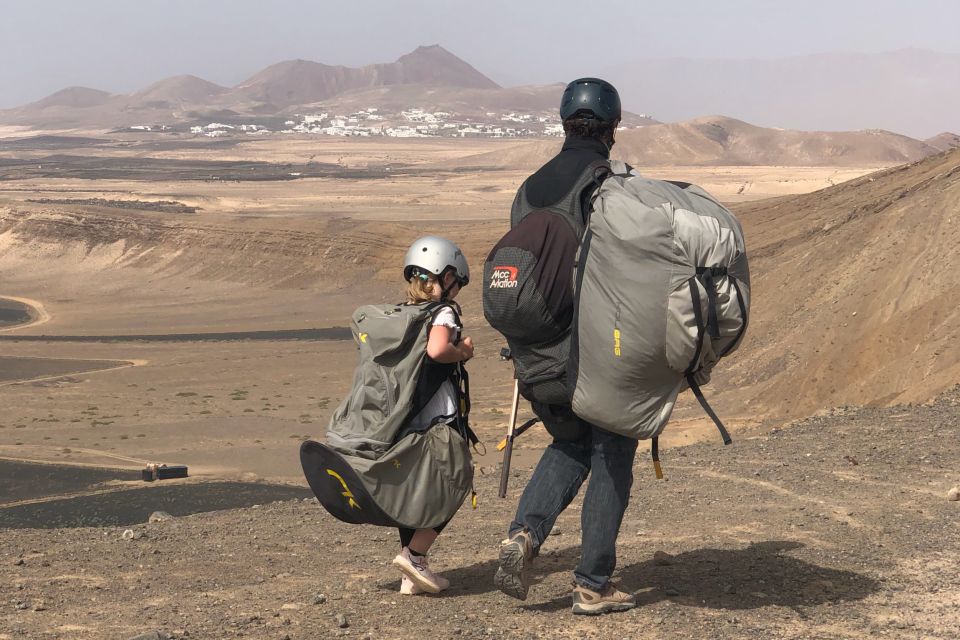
pixel 446 290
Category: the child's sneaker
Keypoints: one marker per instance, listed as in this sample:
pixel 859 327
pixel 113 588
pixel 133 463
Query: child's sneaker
pixel 407 587
pixel 589 602
pixel 513 574
pixel 417 569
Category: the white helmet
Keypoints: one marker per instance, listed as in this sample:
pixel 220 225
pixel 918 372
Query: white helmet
pixel 431 254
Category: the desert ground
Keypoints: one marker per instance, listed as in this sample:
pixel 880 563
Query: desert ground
pixel 182 301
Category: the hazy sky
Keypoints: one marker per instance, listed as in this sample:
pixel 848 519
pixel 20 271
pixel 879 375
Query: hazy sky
pixel 124 45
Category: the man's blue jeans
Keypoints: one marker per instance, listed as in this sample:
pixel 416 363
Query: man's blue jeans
pixel 556 481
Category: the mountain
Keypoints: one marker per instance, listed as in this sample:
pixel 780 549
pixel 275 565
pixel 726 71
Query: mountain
pixel 854 293
pixel 178 89
pixel 911 91
pixel 73 98
pixel 279 89
pixel 944 141
pixel 717 140
pixel 296 82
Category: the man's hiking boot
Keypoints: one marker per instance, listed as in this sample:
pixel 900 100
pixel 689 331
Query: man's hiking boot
pixel 516 556
pixel 418 570
pixel 592 603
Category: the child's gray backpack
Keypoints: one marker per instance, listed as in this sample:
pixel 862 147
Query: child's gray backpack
pixel 374 468
pixel 662 293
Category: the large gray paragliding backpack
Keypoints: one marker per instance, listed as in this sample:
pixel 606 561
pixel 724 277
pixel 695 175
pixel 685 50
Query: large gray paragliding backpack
pixel 662 293
pixel 375 468
pixel 528 292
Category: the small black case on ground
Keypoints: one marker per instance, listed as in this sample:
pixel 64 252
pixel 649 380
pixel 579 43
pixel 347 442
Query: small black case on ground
pixel 164 472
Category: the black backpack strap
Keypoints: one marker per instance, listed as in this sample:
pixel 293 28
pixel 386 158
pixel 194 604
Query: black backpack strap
pixel 433 374
pixel 701 333
pixel 707 275
pixel 599 171
pixel 709 410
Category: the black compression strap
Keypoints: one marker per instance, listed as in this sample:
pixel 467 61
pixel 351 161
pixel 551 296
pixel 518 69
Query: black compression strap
pixel 698 318
pixel 743 316
pixel 708 274
pixel 706 407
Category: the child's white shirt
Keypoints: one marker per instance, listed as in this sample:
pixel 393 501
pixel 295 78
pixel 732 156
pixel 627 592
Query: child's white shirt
pixel 444 401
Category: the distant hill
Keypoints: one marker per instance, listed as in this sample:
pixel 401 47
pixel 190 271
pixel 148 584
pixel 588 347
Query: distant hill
pixel 71 97
pixel 429 78
pixel 429 75
pixel 944 141
pixel 178 89
pixel 717 140
pixel 296 82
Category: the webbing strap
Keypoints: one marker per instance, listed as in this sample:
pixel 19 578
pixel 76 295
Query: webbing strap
pixel 655 454
pixel 743 317
pixel 708 274
pixel 698 318
pixel 706 407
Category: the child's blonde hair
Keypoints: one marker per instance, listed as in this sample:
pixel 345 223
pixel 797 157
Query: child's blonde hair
pixel 420 290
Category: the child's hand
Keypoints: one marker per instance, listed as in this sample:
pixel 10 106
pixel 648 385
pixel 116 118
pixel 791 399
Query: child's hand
pixel 466 348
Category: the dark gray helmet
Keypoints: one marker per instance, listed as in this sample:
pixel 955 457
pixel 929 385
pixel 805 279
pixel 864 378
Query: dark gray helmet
pixel 431 254
pixel 590 97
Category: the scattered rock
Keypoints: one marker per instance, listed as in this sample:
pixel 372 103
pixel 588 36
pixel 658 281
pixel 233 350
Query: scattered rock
pixel 342 621
pixel 40 605
pixel 662 559
pixel 319 598
pixel 131 534
pixel 19 562
pixel 954 494
pixel 22 606
pixel 556 531
pixel 159 516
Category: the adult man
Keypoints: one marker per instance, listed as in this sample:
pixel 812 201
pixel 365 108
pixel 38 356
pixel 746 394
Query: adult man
pixel 590 110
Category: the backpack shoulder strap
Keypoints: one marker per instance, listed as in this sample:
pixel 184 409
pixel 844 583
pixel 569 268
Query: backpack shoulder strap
pixel 435 307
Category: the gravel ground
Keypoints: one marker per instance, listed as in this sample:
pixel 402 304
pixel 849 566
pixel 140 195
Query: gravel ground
pixel 837 526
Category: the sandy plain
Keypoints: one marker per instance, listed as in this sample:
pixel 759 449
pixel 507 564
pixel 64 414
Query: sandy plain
pixel 92 284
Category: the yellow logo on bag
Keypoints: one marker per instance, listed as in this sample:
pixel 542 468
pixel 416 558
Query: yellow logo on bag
pixel 616 342
pixel 346 490
pixel 363 337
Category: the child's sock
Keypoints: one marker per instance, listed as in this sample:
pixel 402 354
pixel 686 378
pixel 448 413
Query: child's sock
pixel 416 556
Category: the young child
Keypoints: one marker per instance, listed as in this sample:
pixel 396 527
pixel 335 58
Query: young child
pixel 435 270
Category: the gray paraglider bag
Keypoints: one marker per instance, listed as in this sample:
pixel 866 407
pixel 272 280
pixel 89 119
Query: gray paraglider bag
pixel 373 468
